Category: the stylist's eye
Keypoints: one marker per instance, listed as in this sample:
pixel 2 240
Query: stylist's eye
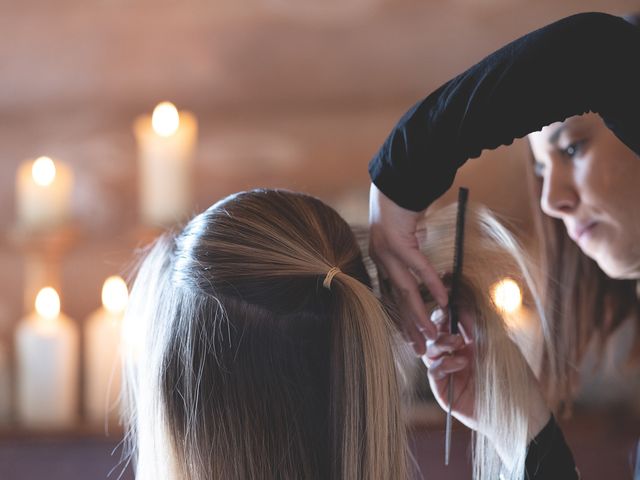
pixel 572 149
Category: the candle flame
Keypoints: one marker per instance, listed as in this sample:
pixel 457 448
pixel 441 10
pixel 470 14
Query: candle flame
pixel 165 119
pixel 43 171
pixel 507 295
pixel 115 295
pixel 48 303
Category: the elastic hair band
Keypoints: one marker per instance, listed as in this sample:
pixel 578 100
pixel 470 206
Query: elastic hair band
pixel 330 274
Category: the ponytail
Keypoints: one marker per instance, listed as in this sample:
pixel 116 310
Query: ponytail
pixel 364 388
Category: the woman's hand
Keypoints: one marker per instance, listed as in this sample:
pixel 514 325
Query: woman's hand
pixel 396 250
pixel 451 358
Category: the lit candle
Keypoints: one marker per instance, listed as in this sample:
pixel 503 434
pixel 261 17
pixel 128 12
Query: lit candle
pixel 43 193
pixel 47 365
pixel 166 142
pixel 523 325
pixel 102 349
pixel 508 298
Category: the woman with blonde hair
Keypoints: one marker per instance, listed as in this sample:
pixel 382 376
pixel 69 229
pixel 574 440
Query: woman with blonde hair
pixel 261 352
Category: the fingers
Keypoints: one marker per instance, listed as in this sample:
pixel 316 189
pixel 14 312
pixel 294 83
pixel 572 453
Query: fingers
pixel 445 344
pixel 411 331
pixel 442 367
pixel 466 319
pixel 441 320
pixel 394 246
pixel 405 289
pixel 419 264
pixel 407 295
pixel 415 338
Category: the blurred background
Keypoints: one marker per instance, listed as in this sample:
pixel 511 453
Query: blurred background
pixel 296 94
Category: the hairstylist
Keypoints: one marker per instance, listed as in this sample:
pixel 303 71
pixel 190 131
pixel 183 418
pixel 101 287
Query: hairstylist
pixel 584 63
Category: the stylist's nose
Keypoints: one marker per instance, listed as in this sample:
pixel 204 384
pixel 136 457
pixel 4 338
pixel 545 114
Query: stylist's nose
pixel 559 196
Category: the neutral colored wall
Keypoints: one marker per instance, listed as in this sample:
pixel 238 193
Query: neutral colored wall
pixel 287 95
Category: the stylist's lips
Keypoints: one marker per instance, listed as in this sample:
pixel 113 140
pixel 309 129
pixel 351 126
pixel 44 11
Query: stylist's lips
pixel 581 231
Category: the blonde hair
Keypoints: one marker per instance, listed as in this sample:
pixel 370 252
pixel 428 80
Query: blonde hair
pixel 244 366
pixel 503 382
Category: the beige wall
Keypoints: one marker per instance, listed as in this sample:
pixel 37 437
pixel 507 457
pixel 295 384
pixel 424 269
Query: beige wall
pixel 287 95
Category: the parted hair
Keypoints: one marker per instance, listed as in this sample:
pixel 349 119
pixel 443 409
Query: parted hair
pixel 240 364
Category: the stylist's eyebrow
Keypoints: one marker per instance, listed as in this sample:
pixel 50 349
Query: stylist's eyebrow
pixel 553 138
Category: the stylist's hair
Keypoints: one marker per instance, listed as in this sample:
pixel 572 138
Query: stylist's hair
pixel 503 381
pixel 581 303
pixel 241 364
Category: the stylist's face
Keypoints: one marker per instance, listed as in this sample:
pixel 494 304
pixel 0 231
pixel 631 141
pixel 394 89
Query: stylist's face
pixel 591 181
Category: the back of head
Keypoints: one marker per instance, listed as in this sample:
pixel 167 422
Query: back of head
pixel 246 366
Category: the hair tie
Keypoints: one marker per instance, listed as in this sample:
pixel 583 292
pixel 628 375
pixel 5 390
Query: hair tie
pixel 333 271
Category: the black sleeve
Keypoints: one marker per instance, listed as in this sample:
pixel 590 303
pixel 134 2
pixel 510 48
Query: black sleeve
pixel 549 457
pixel 586 62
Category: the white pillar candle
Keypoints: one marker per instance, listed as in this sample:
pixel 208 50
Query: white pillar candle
pixel 47 365
pixel 166 142
pixel 102 350
pixel 43 190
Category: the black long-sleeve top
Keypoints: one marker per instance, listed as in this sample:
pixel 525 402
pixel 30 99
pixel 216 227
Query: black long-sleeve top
pixel 549 457
pixel 586 62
